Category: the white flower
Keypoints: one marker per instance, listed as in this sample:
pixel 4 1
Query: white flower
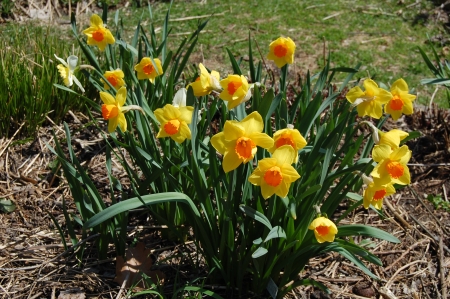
pixel 66 70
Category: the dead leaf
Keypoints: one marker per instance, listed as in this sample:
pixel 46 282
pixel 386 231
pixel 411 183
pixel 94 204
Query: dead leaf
pixel 72 294
pixel 138 261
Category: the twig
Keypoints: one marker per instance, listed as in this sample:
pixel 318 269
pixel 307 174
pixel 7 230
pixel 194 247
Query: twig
pixel 428 209
pixel 314 6
pixel 441 269
pixel 429 233
pixel 372 40
pixel 196 17
pixel 445 192
pixel 428 165
pixel 397 215
pixel 405 253
pixel 264 62
pixel 332 16
pixel 386 293
pixel 401 269
pixel 11 139
pixel 53 259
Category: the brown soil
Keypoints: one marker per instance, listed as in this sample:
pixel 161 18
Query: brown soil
pixel 34 264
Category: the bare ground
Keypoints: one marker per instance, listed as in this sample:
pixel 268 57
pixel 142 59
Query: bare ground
pixel 34 264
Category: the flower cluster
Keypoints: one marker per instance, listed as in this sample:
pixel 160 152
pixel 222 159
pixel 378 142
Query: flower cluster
pixel 391 159
pixel 370 101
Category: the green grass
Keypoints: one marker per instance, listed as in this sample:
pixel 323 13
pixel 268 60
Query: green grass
pixel 382 35
pixel 27 74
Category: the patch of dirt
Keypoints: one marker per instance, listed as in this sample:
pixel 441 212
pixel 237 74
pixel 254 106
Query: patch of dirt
pixel 33 261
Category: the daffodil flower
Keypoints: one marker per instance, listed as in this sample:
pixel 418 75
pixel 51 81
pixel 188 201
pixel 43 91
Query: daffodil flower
pixel 391 165
pixel 368 102
pixel 281 51
pixel 206 82
pixel 147 70
pixel 115 78
pixel 401 101
pixel 375 192
pixel 113 110
pixel 236 90
pixel 174 121
pixel 275 175
pixel 391 138
pixel 238 140
pixel 289 136
pixel 97 34
pixel 66 70
pixel 324 229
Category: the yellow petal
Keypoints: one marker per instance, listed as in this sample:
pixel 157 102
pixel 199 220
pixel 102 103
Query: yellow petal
pixel 107 98
pixel 121 96
pixel 122 122
pixel 381 152
pixel 112 124
pixel 400 84
pixel 230 161
pixel 218 142
pixel 285 155
pixel 261 139
pixel 266 190
pixel 96 21
pixel 402 154
pixel 186 113
pixel 253 123
pixel 354 94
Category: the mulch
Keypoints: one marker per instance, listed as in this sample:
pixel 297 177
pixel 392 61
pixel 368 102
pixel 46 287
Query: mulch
pixel 34 263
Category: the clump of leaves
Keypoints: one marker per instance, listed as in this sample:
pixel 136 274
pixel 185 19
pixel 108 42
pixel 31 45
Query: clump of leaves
pixel 438 202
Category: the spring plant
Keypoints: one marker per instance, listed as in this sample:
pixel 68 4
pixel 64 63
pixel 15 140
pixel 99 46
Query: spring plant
pixel 27 74
pixel 254 168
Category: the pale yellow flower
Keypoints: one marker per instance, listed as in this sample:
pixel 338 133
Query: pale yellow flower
pixel 281 51
pixel 97 34
pixel 324 229
pixel 147 70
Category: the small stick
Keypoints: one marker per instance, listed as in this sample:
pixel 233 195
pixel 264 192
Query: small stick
pixel 441 269
pixel 405 253
pixel 386 293
pixel 428 165
pixel 445 192
pixel 434 238
pixel 428 209
pixel 332 16
pixel 397 215
pixel 401 269
pixel 196 17
pixel 314 6
pixel 10 140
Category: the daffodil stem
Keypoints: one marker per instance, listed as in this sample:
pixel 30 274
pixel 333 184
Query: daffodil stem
pixel 283 77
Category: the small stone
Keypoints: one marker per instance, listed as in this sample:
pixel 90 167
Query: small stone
pixel 364 289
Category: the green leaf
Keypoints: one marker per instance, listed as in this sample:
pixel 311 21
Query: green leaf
pixel 412 135
pixel 135 202
pixel 276 232
pixel 259 252
pixel 364 230
pixel 256 215
pixel 6 205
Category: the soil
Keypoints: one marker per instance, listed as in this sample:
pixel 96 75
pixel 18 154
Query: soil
pixel 34 263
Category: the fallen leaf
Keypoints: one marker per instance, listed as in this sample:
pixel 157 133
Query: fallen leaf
pixel 138 261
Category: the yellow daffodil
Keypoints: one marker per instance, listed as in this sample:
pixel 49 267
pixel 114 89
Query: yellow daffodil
pixel 235 90
pixel 276 174
pixel 206 82
pixel 97 34
pixel 281 51
pixel 368 102
pixel 113 110
pixel 147 70
pixel 391 165
pixel 66 70
pixel 174 122
pixel 401 101
pixel 238 140
pixel 375 192
pixel 289 136
pixel 324 229
pixel 392 138
pixel 115 78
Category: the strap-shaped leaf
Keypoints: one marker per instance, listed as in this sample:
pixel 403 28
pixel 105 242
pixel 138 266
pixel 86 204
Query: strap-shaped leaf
pixel 364 230
pixel 134 203
pixel 258 216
